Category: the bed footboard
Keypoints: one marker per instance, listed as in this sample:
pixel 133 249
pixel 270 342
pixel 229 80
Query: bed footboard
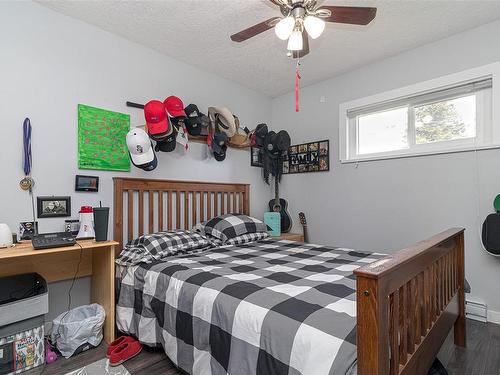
pixel 407 303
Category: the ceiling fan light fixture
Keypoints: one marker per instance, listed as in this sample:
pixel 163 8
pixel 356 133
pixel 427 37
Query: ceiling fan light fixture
pixel 295 42
pixel 284 27
pixel 314 26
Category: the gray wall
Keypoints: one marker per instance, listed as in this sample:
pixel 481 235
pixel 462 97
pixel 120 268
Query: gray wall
pixel 386 205
pixel 50 63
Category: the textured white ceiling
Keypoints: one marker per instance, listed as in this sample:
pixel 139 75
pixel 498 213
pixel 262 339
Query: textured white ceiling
pixel 197 32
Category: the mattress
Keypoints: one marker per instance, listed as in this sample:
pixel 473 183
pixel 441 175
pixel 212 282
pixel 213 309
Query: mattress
pixel 266 307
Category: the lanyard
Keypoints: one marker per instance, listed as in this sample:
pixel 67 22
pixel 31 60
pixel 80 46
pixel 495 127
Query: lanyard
pixel 27 146
pixel 297 80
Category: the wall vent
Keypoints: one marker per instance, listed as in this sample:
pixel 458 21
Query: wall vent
pixel 476 311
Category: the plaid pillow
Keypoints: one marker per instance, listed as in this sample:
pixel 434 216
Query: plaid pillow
pixel 226 227
pixel 151 247
pixel 239 240
pixel 249 237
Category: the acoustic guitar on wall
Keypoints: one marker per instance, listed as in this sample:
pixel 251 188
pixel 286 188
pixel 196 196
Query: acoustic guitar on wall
pixel 303 222
pixel 280 205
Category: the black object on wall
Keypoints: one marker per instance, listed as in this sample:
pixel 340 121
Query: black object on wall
pixel 86 183
pixel 491 234
pixel 134 105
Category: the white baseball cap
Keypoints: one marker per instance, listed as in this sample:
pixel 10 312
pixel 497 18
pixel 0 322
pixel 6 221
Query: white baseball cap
pixel 139 147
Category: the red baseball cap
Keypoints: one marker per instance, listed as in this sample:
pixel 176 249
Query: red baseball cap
pixel 174 107
pixel 156 117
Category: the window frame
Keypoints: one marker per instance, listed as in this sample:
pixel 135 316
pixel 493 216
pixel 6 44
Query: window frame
pixel 487 135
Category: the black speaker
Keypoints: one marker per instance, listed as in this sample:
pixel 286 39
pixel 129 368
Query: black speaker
pixel 491 233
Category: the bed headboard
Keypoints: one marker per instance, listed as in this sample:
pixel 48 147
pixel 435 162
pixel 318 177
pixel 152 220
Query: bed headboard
pixel 144 206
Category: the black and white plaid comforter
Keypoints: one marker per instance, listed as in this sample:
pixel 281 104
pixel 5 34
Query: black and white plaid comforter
pixel 267 307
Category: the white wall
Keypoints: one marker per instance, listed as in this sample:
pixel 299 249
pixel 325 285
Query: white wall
pixel 49 64
pixel 386 205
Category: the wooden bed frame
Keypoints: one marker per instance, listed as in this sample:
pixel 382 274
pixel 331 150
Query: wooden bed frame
pixel 407 302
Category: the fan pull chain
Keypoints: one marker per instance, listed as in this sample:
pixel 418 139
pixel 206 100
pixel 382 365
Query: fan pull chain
pixel 297 79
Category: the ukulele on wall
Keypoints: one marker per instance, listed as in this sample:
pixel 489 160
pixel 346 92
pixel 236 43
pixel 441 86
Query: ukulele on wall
pixel 303 222
pixel 280 205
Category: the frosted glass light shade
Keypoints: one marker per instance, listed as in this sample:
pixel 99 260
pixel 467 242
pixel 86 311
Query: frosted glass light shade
pixel 314 26
pixel 284 28
pixel 295 41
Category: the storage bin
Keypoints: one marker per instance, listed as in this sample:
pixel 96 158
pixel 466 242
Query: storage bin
pixel 22 345
pixel 23 305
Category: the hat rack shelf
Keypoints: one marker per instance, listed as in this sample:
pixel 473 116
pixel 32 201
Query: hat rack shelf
pixel 192 138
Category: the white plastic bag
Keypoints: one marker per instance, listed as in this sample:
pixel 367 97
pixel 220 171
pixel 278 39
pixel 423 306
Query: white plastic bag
pixel 78 326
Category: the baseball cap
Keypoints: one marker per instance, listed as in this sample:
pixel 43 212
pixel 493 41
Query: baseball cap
pixel 168 143
pixel 140 149
pixel 156 117
pixel 162 136
pixel 174 107
pixel 196 120
pixel 219 146
pixel 192 111
pixel 150 166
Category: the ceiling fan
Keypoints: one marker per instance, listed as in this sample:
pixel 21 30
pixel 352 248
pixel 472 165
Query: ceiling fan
pixel 303 19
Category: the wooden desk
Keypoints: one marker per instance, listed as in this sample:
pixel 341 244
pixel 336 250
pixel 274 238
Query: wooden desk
pixel 56 264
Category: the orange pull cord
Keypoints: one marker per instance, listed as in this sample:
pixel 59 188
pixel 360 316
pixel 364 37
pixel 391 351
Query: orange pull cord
pixel 297 79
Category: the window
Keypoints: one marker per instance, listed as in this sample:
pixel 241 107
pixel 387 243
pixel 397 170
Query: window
pixel 427 119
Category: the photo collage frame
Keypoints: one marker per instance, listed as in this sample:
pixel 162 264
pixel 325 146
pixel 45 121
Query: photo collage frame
pixel 307 157
pixel 301 158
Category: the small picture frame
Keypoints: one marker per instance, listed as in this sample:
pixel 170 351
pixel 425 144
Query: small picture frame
pixel 256 157
pixel 27 229
pixel 53 206
pixel 87 183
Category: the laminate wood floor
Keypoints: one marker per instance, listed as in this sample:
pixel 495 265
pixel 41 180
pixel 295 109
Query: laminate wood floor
pixel 481 357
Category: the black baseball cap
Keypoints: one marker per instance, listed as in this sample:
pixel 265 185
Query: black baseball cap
pixel 219 146
pixel 168 144
pixel 195 121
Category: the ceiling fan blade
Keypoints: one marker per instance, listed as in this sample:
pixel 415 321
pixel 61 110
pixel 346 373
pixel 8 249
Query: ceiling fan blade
pixel 278 2
pixel 305 47
pixel 351 15
pixel 254 30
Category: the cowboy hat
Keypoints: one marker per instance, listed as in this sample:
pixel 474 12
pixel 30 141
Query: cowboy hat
pixel 240 140
pixel 223 120
pixel 275 143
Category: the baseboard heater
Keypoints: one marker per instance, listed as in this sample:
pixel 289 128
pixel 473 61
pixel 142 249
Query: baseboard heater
pixel 476 311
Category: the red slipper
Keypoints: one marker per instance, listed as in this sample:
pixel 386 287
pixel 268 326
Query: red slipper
pixel 118 341
pixel 124 352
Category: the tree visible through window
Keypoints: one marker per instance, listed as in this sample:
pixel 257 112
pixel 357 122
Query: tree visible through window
pixel 449 118
pixel 445 121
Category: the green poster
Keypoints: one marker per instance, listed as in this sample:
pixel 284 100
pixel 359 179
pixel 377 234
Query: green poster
pixel 101 139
